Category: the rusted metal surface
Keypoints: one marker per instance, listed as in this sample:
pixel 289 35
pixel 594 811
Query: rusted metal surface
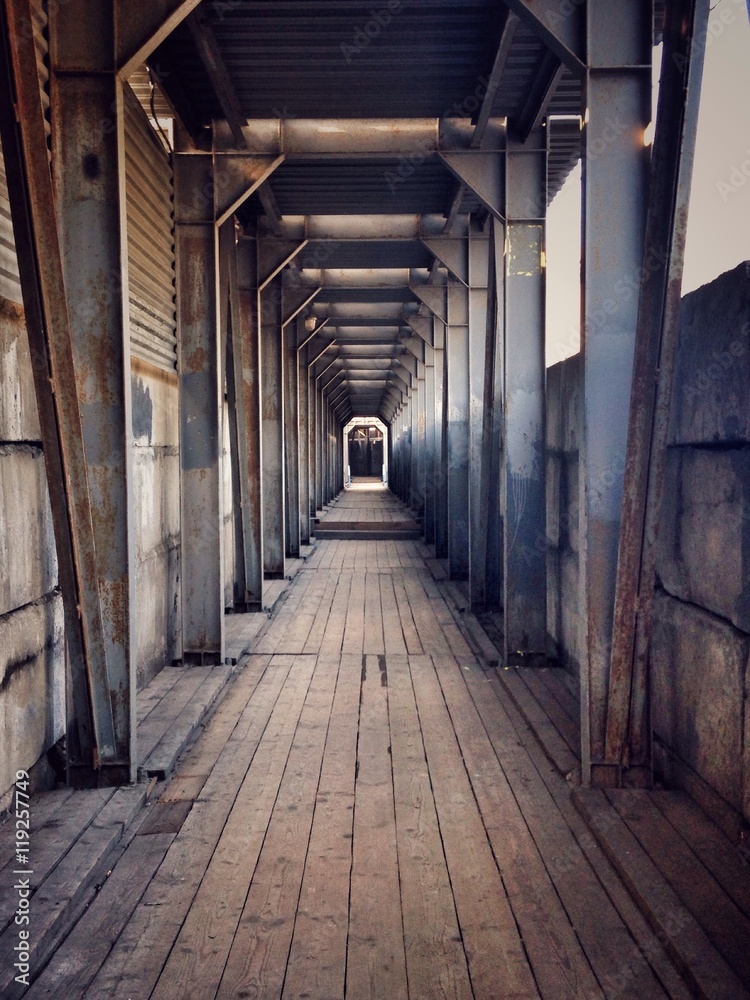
pixel 523 481
pixel 615 182
pixel 628 736
pixel 478 281
pixel 88 130
pixel 201 403
pixel 457 428
pixel 247 391
pixel 93 740
pixel 272 411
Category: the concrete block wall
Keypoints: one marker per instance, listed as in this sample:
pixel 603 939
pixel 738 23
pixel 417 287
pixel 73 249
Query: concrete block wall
pixel 156 491
pixel 701 639
pixel 701 642
pixel 32 645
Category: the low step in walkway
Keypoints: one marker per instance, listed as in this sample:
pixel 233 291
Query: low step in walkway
pixel 372 513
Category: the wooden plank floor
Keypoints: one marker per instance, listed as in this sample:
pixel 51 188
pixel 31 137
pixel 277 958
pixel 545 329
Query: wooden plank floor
pixel 366 815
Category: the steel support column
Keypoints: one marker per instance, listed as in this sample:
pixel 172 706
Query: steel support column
pixel 430 469
pixel 615 165
pixel 524 571
pixel 272 428
pixel 291 439
pixel 493 419
pixel 246 357
pixel 305 425
pixel 458 428
pixel 629 738
pixel 94 754
pixel 441 438
pixel 89 162
pixel 478 279
pixel 201 406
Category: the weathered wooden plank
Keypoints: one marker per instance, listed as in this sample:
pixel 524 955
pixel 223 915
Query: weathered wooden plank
pixel 79 958
pixel 557 958
pixel 435 959
pixel 373 639
pixel 135 963
pixel 644 942
pixel 726 926
pixel 376 963
pixel 317 958
pixel 52 842
pixel 497 962
pixel 602 932
pixel 408 628
pixel 720 856
pixel 708 974
pixel 354 630
pixel 55 901
pixel 392 632
pixel 163 715
pixel 557 750
pixel 256 962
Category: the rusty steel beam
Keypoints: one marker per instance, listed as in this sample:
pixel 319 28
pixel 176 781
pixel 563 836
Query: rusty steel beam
pixel 615 195
pixel 212 60
pixel 525 558
pixel 273 365
pixel 628 736
pixel 92 740
pixel 201 418
pixel 88 132
pixel 141 28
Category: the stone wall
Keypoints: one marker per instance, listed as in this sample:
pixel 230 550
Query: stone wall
pixel 701 638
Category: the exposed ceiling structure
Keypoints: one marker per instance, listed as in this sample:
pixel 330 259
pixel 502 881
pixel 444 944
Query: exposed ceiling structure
pixel 287 72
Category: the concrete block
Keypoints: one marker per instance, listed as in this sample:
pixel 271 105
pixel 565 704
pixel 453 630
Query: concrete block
pixel 710 394
pixel 32 685
pixel 19 420
pixel 698 665
pixel 27 543
pixel 704 536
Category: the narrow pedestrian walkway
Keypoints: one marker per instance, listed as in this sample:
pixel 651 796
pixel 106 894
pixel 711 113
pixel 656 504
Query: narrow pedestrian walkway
pixel 366 815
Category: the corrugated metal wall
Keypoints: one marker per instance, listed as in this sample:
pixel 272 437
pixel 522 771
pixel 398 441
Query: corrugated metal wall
pixel 151 262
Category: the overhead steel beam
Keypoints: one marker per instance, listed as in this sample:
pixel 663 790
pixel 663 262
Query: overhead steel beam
pixel 235 179
pixel 481 173
pixel 273 257
pixel 212 61
pixel 628 736
pixel 542 91
pixel 422 326
pixel 496 75
pixel 452 253
pixel 141 28
pixel 615 195
pixel 433 296
pixel 560 27
pixel 387 138
pixel 92 738
pixel 294 299
pixel 271 208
